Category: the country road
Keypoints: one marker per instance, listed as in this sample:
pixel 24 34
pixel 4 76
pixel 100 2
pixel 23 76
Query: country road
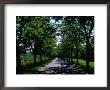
pixel 59 66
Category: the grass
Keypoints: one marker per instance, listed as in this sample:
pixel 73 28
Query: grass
pixel 29 58
pixel 82 64
pixel 28 66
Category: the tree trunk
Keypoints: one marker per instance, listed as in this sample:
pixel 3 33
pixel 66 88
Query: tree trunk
pixel 87 55
pixel 77 54
pixel 34 58
pixel 18 55
pixel 18 60
pixel 44 57
pixel 71 54
pixel 34 52
pixel 41 57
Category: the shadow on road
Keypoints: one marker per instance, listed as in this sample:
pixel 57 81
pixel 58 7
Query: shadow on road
pixel 59 66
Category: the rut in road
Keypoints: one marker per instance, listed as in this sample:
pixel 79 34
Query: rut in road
pixel 59 66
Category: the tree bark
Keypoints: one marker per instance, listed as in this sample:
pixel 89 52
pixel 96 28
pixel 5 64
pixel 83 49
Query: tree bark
pixel 18 55
pixel 18 60
pixel 71 54
pixel 34 58
pixel 77 54
pixel 41 57
pixel 87 55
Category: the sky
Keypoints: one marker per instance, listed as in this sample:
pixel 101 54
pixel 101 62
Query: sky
pixel 58 38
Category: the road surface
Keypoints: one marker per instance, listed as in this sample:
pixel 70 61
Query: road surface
pixel 59 66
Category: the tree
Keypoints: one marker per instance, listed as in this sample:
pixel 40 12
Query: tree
pixel 78 38
pixel 36 35
pixel 88 26
pixel 21 22
pixel 72 35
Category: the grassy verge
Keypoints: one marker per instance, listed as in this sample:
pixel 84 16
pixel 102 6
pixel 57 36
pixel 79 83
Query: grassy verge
pixel 30 57
pixel 82 64
pixel 28 66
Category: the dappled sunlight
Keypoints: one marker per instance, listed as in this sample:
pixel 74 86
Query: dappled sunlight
pixel 55 44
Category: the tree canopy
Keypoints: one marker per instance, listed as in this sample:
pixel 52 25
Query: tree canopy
pixel 67 37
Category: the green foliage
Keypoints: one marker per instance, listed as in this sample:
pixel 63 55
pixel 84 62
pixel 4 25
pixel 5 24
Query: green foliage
pixel 37 35
pixel 78 38
pixel 82 63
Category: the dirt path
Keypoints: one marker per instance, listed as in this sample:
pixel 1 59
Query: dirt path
pixel 59 66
